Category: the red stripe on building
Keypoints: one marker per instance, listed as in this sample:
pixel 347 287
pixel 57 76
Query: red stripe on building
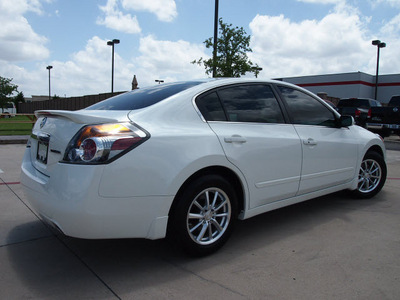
pixel 348 83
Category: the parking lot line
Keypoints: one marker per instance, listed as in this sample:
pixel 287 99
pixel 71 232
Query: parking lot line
pixel 9 183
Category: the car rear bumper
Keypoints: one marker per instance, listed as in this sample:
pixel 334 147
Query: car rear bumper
pixel 69 200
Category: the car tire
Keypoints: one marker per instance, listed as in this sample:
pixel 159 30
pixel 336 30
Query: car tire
pixel 204 216
pixel 371 176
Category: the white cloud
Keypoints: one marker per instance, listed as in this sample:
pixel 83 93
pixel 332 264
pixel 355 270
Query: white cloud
pixel 393 3
pixel 165 10
pixel 167 60
pixel 115 19
pixel 392 27
pixel 19 7
pixel 337 43
pixel 19 42
pixel 89 71
pixel 390 34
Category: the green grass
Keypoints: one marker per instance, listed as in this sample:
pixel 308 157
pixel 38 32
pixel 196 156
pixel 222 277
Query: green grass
pixel 8 127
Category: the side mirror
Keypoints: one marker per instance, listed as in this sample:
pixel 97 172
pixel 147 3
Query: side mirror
pixel 346 121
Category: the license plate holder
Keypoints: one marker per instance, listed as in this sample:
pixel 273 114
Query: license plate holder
pixel 42 151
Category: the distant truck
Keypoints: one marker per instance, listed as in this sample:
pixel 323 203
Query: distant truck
pixel 8 111
pixel 358 108
pixel 385 120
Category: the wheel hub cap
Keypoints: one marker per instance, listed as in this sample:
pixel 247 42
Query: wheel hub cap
pixel 208 216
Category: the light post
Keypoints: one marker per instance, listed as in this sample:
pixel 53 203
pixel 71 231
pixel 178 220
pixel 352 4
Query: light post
pixel 112 43
pixel 215 39
pixel 49 68
pixel 159 81
pixel 379 45
pixel 257 71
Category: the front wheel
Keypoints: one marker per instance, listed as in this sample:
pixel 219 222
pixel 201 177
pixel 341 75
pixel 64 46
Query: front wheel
pixel 371 176
pixel 204 216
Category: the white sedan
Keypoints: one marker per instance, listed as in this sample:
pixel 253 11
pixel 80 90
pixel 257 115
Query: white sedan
pixel 187 159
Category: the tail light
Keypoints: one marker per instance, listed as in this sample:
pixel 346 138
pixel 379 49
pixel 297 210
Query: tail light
pixel 358 113
pixel 96 144
pixel 369 114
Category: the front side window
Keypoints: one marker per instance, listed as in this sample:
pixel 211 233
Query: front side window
pixel 251 103
pixel 306 110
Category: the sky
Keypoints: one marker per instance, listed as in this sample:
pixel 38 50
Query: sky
pixel 160 38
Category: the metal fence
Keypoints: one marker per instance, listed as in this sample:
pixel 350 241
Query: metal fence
pixel 71 103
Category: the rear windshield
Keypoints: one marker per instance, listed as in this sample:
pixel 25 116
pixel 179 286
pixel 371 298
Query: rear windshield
pixel 362 103
pixel 141 98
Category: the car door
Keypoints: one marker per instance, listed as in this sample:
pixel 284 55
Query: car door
pixel 252 131
pixel 329 152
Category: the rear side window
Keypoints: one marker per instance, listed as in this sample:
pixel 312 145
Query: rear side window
pixel 251 103
pixel 210 107
pixel 306 110
pixel 141 98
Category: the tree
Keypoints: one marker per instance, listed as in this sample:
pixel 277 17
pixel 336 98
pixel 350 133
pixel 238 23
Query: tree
pixel 6 90
pixel 20 98
pixel 232 47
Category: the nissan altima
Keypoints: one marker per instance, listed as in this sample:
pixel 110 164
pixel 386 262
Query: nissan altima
pixel 188 159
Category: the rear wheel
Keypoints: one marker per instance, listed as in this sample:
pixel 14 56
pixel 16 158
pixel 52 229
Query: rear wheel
pixel 371 176
pixel 204 216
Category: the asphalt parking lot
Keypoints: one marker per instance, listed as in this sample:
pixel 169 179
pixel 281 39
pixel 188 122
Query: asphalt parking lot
pixel 333 247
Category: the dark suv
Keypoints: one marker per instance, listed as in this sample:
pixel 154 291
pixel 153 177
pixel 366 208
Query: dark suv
pixel 358 108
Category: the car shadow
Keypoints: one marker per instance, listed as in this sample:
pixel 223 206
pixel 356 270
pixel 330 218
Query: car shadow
pixel 127 265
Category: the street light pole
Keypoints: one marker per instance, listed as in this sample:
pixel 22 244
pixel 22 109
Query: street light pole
pixel 257 70
pixel 379 45
pixel 49 68
pixel 215 39
pixel 112 43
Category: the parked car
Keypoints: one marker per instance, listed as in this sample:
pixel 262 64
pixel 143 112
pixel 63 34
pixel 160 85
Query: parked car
pixel 187 159
pixel 358 108
pixel 330 103
pixel 8 111
pixel 385 120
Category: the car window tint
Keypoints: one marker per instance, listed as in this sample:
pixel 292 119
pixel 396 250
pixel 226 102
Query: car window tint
pixel 364 104
pixel 375 103
pixel 141 98
pixel 210 107
pixel 306 110
pixel 251 103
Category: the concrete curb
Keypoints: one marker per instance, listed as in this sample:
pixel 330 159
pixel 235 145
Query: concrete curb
pixel 13 139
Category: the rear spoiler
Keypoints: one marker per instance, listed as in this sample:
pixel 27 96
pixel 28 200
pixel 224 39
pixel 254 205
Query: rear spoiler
pixel 76 116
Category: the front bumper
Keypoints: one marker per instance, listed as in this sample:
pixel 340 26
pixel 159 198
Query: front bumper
pixel 70 200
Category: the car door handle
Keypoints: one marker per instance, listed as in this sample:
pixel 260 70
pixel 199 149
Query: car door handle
pixel 309 142
pixel 235 139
